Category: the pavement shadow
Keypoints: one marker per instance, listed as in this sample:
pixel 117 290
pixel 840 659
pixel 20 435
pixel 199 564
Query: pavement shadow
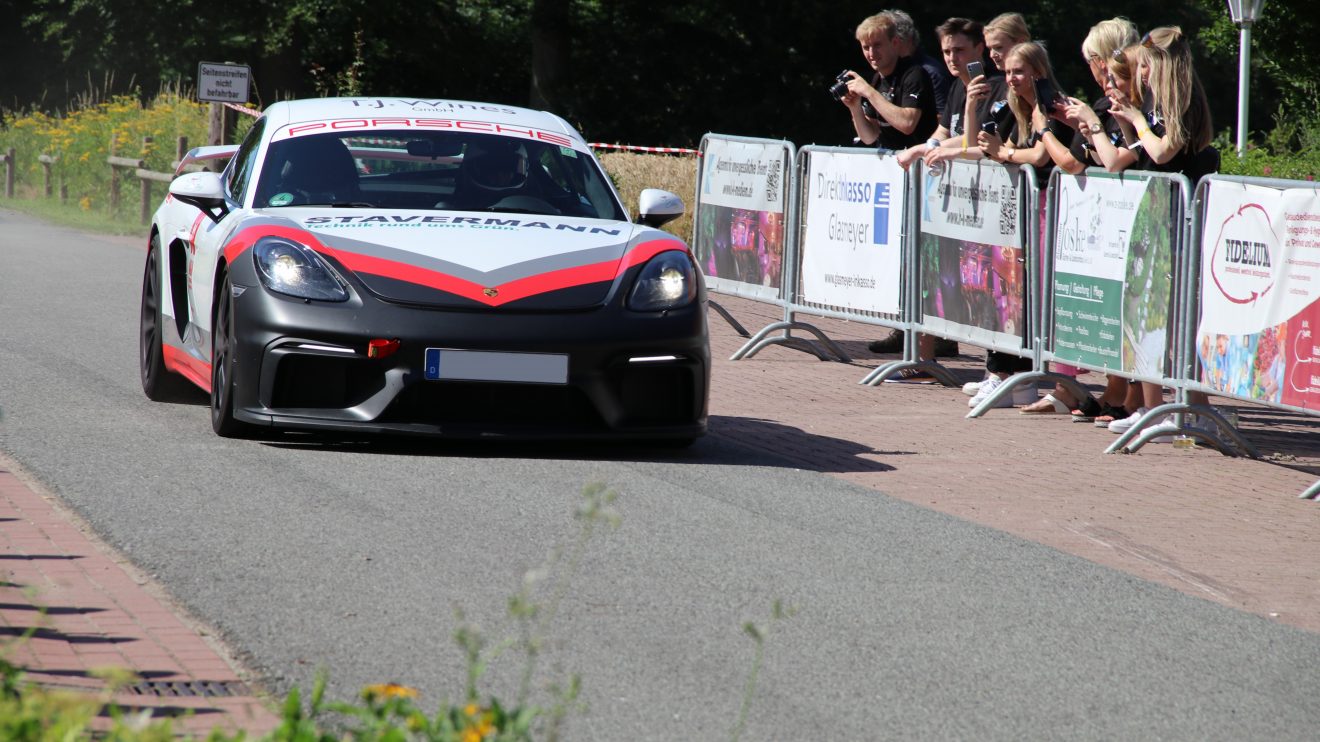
pixel 734 441
pixel 39 632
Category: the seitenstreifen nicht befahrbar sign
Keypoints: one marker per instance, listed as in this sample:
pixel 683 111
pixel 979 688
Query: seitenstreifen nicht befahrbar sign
pixel 223 83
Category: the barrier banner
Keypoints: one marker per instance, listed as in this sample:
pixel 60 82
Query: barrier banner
pixel 1260 293
pixel 852 240
pixel 741 203
pixel 1112 252
pixel 973 281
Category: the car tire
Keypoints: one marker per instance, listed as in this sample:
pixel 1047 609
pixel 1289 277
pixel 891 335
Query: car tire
pixel 159 384
pixel 222 366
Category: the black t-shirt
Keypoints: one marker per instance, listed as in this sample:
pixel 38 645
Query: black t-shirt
pixel 1081 147
pixel 908 86
pixel 1192 164
pixel 993 106
pixel 940 79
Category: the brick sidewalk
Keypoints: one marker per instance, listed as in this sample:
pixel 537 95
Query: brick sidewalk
pixel 98 612
pixel 1230 530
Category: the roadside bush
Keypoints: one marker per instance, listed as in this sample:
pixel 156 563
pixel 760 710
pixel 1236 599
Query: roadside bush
pixel 81 139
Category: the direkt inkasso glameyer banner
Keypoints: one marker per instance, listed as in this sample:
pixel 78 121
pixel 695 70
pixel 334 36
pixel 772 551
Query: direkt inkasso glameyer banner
pixel 1112 252
pixel 1260 293
pixel 852 242
pixel 742 198
pixel 973 281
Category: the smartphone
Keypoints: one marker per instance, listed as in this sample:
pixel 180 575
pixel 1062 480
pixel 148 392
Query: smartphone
pixel 1113 81
pixel 1047 95
pixel 990 127
pixel 974 70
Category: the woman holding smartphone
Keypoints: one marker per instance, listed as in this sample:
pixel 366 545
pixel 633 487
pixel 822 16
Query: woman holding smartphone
pixel 1173 129
pixel 1036 106
pixel 1099 141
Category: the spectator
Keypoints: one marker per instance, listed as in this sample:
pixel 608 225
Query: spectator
pixel 961 42
pixel 1024 65
pixel 987 100
pixel 1099 141
pixel 1173 129
pixel 909 45
pixel 903 103
pixel 901 99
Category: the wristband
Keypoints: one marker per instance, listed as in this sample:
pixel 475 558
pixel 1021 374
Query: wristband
pixel 1142 131
pixel 933 143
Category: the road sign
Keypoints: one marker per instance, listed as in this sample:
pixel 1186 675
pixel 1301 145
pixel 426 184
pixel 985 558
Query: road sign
pixel 223 83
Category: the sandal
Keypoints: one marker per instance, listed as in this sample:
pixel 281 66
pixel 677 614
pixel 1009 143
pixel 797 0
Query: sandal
pixel 1109 414
pixel 1086 411
pixel 1046 405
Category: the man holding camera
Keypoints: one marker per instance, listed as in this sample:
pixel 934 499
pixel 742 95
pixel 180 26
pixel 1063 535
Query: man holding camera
pixel 897 108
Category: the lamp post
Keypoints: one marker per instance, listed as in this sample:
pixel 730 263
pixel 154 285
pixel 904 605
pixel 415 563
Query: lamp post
pixel 1244 13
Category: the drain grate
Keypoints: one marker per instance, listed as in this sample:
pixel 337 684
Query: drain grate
pixel 190 688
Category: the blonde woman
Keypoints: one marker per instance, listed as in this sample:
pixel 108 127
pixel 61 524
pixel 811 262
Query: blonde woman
pixel 1173 128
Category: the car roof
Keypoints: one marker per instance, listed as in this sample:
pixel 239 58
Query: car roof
pixel 330 109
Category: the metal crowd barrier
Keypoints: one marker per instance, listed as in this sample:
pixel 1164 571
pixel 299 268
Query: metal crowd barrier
pixel 848 251
pixel 741 217
pixel 974 213
pixel 1256 285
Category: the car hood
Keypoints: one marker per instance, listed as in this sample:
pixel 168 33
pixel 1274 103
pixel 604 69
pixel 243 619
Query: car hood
pixel 479 259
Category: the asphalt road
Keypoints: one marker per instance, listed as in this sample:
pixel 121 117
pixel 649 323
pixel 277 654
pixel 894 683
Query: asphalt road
pixel 353 556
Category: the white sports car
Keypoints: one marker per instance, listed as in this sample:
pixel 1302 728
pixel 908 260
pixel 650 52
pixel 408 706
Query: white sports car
pixel 422 266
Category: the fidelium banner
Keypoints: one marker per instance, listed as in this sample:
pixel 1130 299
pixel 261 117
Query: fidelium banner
pixel 1260 293
pixel 1112 251
pixel 852 245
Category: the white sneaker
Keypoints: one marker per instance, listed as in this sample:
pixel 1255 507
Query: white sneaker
pixel 1124 425
pixel 972 387
pixel 987 388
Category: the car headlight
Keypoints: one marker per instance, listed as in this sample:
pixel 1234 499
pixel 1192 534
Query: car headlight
pixel 289 268
pixel 667 281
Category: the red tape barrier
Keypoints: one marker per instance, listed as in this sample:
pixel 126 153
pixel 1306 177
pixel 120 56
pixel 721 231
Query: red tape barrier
pixel 657 150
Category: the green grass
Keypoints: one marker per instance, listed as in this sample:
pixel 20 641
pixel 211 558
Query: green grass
pixel 70 215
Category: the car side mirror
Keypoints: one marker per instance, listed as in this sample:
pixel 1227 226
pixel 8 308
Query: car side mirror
pixel 203 190
pixel 656 207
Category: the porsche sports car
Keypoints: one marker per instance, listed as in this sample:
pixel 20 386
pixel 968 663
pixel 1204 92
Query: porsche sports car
pixel 427 267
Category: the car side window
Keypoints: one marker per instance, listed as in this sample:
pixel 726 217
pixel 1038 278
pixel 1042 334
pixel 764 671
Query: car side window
pixel 245 159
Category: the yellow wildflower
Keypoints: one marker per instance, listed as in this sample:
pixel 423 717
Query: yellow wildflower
pixel 386 691
pixel 480 726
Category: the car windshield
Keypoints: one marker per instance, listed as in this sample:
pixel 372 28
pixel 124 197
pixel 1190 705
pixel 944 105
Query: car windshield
pixel 435 170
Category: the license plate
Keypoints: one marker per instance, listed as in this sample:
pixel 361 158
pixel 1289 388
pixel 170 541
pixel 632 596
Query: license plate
pixel 447 364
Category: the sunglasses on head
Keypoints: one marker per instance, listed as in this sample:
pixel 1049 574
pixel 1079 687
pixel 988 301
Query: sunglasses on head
pixel 1147 41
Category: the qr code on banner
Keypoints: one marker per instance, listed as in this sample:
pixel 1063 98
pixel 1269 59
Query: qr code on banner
pixel 772 182
pixel 1008 211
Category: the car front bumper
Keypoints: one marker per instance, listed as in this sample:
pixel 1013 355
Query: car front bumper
pixel 305 365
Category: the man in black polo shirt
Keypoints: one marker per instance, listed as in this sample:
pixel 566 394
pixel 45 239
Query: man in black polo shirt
pixel 902 101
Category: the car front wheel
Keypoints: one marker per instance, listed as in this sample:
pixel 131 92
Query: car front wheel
pixel 222 366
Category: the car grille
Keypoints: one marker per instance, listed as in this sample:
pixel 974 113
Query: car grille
pixel 502 405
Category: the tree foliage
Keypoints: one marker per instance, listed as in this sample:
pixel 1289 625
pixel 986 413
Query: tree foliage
pixel 623 70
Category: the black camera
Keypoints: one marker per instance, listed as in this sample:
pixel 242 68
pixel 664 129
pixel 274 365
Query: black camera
pixel 990 127
pixel 840 86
